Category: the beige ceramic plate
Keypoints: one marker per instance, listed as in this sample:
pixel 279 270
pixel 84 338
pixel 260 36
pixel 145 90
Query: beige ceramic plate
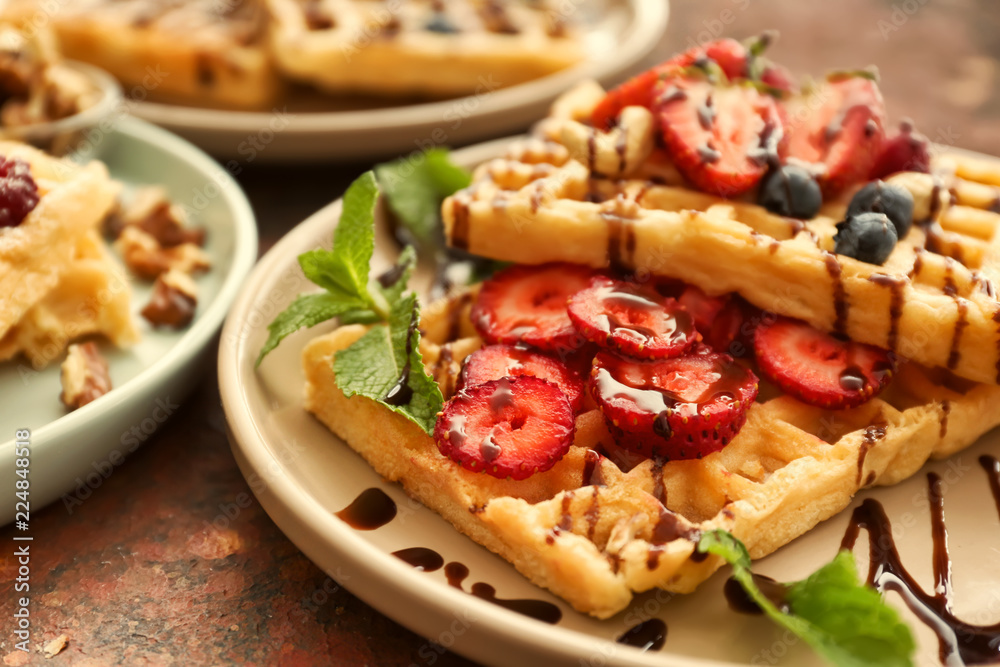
pixel 302 474
pixel 617 42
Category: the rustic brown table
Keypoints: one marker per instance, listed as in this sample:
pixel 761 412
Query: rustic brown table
pixel 136 574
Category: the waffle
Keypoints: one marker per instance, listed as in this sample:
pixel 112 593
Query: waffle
pixel 56 280
pixel 595 534
pixel 432 47
pixel 208 52
pixel 570 193
pixel 91 297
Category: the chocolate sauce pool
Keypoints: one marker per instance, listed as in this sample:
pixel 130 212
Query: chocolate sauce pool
pixel 959 642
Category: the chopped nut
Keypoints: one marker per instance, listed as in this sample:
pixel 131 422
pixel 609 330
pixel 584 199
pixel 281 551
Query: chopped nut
pixel 84 375
pixel 144 255
pixel 174 299
pixel 151 211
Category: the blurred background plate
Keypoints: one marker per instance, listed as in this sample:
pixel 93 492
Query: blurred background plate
pixel 80 448
pixel 618 42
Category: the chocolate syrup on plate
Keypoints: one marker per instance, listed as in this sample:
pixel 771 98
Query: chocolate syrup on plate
pixel 959 642
pixel 422 558
pixel 646 636
pixel 456 573
pixel 370 510
pixel 740 602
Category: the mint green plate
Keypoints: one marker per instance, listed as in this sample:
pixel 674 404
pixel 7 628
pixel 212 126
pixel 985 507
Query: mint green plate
pixel 82 448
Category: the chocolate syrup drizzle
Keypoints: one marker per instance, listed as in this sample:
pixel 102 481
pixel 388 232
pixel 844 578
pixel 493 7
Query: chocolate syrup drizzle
pixel 540 610
pixel 959 642
pixel 646 636
pixel 370 510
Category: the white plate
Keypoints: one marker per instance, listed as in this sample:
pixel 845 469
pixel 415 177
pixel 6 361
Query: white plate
pixel 302 474
pixel 80 448
pixel 617 43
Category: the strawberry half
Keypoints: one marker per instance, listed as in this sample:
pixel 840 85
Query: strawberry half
pixel 819 369
pixel 632 319
pixel 498 361
pixel 527 304
pixel 511 427
pixel 840 125
pixel 904 150
pixel 681 408
pixel 720 136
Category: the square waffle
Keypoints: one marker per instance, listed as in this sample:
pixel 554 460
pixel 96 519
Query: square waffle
pixel 433 47
pixel 575 194
pixel 208 52
pixel 594 533
pixel 56 279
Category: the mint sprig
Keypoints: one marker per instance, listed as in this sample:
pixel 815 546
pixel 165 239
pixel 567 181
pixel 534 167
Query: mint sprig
pixel 844 621
pixel 390 350
pixel 414 188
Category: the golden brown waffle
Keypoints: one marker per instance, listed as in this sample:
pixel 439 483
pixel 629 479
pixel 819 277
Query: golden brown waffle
pixel 56 280
pixel 594 534
pixel 92 297
pixel 204 52
pixel 394 48
pixel 570 193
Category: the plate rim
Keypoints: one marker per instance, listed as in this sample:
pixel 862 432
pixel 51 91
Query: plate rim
pixel 648 26
pixel 306 522
pixel 205 325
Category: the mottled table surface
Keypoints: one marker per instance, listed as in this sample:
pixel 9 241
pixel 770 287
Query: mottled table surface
pixel 172 561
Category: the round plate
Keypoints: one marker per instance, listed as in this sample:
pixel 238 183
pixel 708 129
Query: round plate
pixel 303 474
pixel 626 33
pixel 81 448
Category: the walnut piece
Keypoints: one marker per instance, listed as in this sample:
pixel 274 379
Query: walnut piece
pixel 151 211
pixel 144 255
pixel 84 375
pixel 173 302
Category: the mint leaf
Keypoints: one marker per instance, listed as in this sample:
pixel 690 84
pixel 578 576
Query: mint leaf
pixel 844 621
pixel 374 364
pixel 398 276
pixel 344 270
pixel 392 292
pixel 306 311
pixel 415 187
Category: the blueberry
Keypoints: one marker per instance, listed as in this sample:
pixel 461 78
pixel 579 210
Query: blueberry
pixel 441 23
pixel 868 236
pixel 791 191
pixel 882 197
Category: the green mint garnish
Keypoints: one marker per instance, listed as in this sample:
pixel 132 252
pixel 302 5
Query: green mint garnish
pixel 844 621
pixel 389 353
pixel 415 187
pixel 375 363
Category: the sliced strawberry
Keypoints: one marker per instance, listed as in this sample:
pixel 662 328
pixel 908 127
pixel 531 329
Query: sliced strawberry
pixel 511 427
pixel 819 369
pixel 904 150
pixel 778 79
pixel 720 136
pixel 527 304
pixel 681 408
pixel 497 361
pixel 636 92
pixel 840 126
pixel 632 319
pixel 730 55
pixel 720 319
